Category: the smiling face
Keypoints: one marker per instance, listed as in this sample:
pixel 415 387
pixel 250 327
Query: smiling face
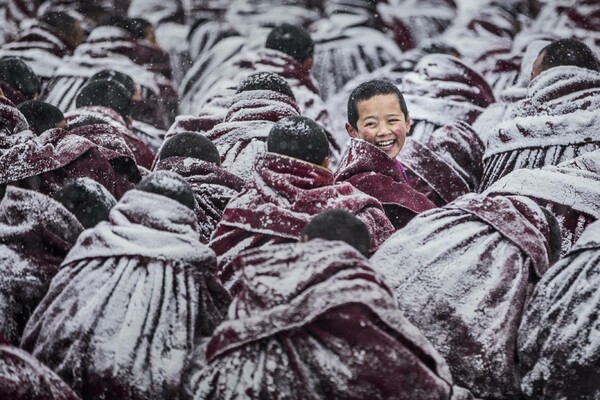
pixel 381 122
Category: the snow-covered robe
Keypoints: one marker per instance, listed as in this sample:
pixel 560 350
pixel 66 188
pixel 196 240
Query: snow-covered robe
pixel 141 152
pixel 212 185
pixel 557 121
pixel 443 89
pixel 131 298
pixel 46 162
pixel 36 233
pixel 112 48
pixel 462 274
pixel 558 345
pixel 40 47
pixel 446 165
pixel 372 171
pixel 283 196
pixel 343 52
pixel 242 64
pixel 314 321
pixel 242 136
pixel 23 377
pixel 570 191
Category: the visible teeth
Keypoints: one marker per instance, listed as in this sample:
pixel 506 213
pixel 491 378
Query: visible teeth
pixel 383 144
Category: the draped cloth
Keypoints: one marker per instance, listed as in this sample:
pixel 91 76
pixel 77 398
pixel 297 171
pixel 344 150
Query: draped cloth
pixel 23 377
pixel 131 298
pixel 36 233
pixel 555 122
pixel 314 321
pixel 213 187
pixel 463 274
pixel 284 194
pixel 557 339
pixel 372 171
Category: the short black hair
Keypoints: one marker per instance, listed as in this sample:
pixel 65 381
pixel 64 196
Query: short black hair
pixel 568 52
pixel 88 200
pixel 41 116
pixel 299 137
pixel 266 81
pixel 111 74
pixel 367 90
pixel 61 21
pixel 20 77
pixel 292 40
pixel 105 93
pixel 190 144
pixel 169 184
pixel 338 224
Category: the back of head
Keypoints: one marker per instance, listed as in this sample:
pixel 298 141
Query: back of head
pixel 41 116
pixel 367 90
pixel 291 40
pixel 339 225
pixel 67 27
pixel 20 77
pixel 567 52
pixel 190 144
pixel 112 75
pixel 107 94
pixel 299 137
pixel 266 81
pixel 88 200
pixel 168 184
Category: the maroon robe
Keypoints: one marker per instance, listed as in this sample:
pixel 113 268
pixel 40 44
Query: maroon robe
pixel 23 377
pixel 36 233
pixel 463 274
pixel 557 342
pixel 447 165
pixel 370 170
pixel 41 48
pixel 46 162
pixel 313 321
pixel 443 89
pixel 242 136
pixel 556 122
pixel 212 185
pixel 113 48
pixel 571 192
pixel 131 298
pixel 143 155
pixel 275 206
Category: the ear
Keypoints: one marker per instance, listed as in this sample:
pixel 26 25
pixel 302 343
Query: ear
pixel 351 131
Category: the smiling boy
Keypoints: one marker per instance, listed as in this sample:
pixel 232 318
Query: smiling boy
pixel 378 123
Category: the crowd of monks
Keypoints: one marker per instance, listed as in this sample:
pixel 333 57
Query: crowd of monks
pixel 299 199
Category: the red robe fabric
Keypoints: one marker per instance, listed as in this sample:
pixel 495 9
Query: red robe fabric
pixel 36 233
pixel 40 47
pixel 113 48
pixel 142 153
pixel 557 340
pixel 313 321
pixel 242 136
pixel 463 274
pixel 556 122
pixel 213 188
pixel 131 298
pixel 370 170
pixel 46 162
pixel 23 377
pixel 283 196
pixel 443 89
pixel 571 192
pixel 447 165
